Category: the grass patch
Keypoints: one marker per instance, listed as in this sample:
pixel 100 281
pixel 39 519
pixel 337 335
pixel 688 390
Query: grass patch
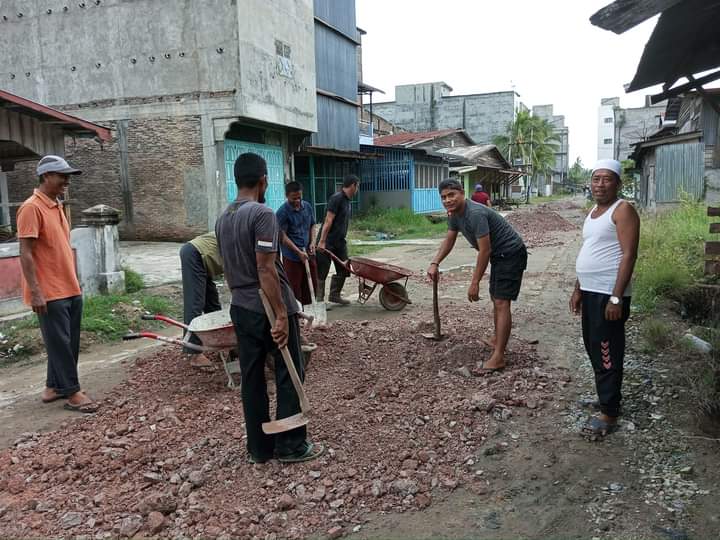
pixel 134 282
pixel 670 257
pixel 703 378
pixel 397 223
pixel 656 335
pixel 105 318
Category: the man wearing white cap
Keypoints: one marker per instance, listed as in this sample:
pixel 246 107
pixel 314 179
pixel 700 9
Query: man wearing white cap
pixel 50 284
pixel 604 269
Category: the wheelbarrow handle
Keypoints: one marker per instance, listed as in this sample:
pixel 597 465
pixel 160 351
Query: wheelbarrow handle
pixel 174 341
pixel 344 264
pixel 163 318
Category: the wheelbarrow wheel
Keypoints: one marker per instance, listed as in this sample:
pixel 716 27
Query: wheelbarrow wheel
pixel 392 296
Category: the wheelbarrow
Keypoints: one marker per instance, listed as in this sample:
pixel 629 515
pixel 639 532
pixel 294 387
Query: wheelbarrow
pixel 371 273
pixel 216 332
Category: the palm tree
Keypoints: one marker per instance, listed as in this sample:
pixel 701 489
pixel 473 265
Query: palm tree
pixel 531 139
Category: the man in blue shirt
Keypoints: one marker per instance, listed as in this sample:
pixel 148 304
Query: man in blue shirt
pixel 296 219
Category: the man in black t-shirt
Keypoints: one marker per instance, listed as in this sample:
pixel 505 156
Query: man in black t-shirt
pixel 333 238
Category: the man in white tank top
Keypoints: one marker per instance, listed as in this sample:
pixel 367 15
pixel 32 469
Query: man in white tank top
pixel 604 269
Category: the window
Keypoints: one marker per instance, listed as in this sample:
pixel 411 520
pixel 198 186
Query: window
pixel 609 120
pixel 607 141
pixel 284 64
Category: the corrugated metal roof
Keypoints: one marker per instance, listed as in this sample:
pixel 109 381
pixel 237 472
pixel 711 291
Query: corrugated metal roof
pixel 485 155
pixel 66 122
pixel 413 138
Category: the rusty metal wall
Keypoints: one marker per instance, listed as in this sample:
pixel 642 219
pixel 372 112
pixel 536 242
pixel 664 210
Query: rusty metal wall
pixel 680 169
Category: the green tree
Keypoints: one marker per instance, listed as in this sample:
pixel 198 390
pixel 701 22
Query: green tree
pixel 578 174
pixel 531 139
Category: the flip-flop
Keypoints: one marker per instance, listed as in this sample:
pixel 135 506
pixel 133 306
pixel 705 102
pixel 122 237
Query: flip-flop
pixel 86 408
pixel 597 428
pixel 313 450
pixel 56 397
pixel 252 460
pixel 488 371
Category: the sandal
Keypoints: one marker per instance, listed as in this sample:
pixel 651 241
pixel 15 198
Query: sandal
pixel 597 428
pixel 252 460
pixel 312 451
pixel 86 408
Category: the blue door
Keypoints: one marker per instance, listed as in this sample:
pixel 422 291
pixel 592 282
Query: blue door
pixel 273 155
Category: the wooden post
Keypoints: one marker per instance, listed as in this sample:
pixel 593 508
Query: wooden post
pixel 712 248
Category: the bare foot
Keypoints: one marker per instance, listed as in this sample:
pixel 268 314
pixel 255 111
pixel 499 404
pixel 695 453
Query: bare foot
pixel 612 420
pixel 49 395
pixel 200 361
pixel 495 363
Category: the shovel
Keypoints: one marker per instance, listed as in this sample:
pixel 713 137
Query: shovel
pixel 296 420
pixel 318 310
pixel 437 334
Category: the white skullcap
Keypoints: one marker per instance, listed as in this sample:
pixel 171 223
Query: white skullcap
pixel 609 164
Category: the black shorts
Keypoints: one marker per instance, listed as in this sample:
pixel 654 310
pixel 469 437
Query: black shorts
pixel 506 273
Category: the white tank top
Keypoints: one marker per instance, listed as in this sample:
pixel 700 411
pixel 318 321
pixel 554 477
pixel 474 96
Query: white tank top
pixel 600 255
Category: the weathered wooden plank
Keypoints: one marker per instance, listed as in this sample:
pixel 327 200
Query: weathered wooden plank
pixel 715 227
pixel 712 248
pixel 713 211
pixel 712 268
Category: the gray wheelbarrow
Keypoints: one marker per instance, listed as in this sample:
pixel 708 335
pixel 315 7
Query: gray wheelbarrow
pixel 216 333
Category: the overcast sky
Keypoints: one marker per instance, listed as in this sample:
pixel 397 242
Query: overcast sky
pixel 547 50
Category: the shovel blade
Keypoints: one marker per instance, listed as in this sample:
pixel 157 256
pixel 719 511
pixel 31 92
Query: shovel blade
pixel 434 337
pixel 318 312
pixel 285 424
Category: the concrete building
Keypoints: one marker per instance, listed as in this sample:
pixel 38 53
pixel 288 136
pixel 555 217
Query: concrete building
pixel 619 128
pixel 560 170
pixel 430 107
pixel 185 87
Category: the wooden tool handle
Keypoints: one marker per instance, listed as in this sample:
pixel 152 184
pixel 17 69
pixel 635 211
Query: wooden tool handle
pixel 436 308
pixel 304 403
pixel 310 283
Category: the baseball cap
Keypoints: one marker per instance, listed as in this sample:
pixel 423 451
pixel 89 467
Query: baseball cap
pixel 56 164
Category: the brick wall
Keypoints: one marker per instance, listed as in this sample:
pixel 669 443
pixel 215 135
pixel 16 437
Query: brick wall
pixel 166 173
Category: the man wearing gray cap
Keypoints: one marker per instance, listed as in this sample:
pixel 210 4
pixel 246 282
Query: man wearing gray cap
pixel 50 284
pixel 604 270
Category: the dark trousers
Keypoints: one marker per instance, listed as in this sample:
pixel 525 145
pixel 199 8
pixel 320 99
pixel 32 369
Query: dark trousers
pixel 605 345
pixel 323 261
pixel 60 328
pixel 297 277
pixel 200 295
pixel 254 343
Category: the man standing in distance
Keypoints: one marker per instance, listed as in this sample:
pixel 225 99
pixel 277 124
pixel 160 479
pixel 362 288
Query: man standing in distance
pixel 497 243
pixel 481 196
pixel 296 219
pixel 248 239
pixel 333 237
pixel 602 292
pixel 50 284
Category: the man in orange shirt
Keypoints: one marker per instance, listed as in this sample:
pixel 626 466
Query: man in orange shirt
pixel 50 284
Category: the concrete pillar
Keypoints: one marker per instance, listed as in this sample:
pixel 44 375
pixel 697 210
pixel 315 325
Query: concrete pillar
pixel 97 247
pixel 4 200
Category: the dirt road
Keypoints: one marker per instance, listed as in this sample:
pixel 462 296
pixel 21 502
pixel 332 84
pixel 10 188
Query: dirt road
pixel 421 447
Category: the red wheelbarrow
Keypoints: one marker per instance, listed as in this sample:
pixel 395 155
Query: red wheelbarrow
pixel 371 273
pixel 216 332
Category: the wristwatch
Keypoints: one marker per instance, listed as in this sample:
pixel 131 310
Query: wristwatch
pixel 615 301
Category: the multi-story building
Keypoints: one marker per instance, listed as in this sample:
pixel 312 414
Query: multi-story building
pixel 619 128
pixel 430 107
pixel 562 133
pixel 185 87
